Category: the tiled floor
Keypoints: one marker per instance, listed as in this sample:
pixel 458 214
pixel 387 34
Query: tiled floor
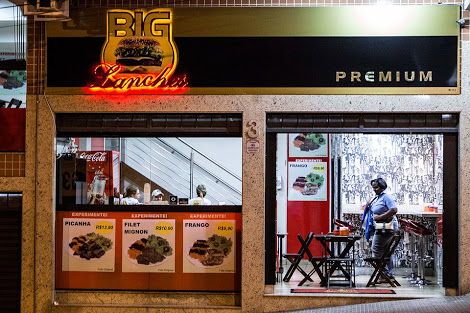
pixel 406 290
pixel 425 299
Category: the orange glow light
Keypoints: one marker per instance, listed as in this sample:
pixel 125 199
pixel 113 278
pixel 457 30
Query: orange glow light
pixel 109 79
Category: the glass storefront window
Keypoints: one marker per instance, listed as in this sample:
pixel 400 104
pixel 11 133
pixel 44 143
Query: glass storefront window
pixel 149 213
pixel 99 170
pixel 12 89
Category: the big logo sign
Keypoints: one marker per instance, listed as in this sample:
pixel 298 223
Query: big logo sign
pixel 139 52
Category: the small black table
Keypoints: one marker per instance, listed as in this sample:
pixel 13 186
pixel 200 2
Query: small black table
pixel 343 255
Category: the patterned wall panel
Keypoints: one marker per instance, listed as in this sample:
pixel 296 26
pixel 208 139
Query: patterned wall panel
pixel 412 165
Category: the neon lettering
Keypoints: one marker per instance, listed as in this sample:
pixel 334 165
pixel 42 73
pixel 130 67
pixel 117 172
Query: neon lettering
pixel 106 77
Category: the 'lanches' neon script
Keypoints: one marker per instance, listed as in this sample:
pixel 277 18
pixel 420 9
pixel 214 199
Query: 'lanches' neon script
pixel 105 76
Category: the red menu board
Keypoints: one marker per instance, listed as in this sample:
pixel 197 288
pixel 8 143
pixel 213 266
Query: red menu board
pixel 308 193
pixel 187 251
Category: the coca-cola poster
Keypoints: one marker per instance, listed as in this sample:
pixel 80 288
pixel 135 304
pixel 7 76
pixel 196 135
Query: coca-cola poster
pixel 102 175
pixel 99 156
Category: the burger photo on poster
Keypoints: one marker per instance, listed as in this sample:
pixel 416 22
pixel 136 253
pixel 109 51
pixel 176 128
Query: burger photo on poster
pixel 139 54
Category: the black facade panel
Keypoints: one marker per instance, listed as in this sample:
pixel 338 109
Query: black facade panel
pixel 450 218
pixel 281 61
pixel 270 211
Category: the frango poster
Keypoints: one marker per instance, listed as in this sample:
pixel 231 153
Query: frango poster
pixel 307 181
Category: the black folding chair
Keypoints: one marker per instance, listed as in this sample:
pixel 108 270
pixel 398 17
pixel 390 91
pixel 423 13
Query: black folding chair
pixel 317 263
pixel 295 258
pixel 380 263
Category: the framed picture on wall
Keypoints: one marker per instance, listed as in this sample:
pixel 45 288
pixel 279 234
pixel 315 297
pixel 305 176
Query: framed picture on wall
pixel 307 181
pixel 308 145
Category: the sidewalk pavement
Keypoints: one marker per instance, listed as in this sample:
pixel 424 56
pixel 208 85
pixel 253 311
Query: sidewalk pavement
pixel 457 304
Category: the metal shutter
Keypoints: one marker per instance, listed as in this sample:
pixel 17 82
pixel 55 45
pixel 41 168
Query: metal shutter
pixel 149 124
pixel 363 122
pixel 10 251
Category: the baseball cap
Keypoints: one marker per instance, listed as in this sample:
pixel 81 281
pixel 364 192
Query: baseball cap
pixel 156 192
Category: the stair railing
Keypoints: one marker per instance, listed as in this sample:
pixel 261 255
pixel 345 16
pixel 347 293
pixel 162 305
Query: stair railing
pixel 185 165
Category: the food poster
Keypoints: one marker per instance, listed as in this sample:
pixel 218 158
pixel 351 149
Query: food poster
pixel 209 246
pixel 308 145
pixel 307 181
pixel 148 245
pixel 13 85
pixel 89 245
pixel 226 277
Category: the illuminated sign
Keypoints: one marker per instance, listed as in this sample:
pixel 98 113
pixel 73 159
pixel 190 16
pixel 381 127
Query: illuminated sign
pixel 385 76
pixel 139 54
pixel 237 51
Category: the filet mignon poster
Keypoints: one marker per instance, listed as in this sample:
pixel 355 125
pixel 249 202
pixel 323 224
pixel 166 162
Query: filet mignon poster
pixel 148 245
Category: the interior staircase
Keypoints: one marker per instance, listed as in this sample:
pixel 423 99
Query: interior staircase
pixel 176 167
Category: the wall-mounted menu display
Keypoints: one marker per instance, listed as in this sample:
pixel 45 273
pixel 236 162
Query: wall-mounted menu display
pixel 13 88
pixel 308 145
pixel 88 245
pixel 307 181
pixel 209 246
pixel 148 245
pixel 179 251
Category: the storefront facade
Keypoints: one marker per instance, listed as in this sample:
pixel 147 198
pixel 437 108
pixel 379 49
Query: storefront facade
pixel 38 283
